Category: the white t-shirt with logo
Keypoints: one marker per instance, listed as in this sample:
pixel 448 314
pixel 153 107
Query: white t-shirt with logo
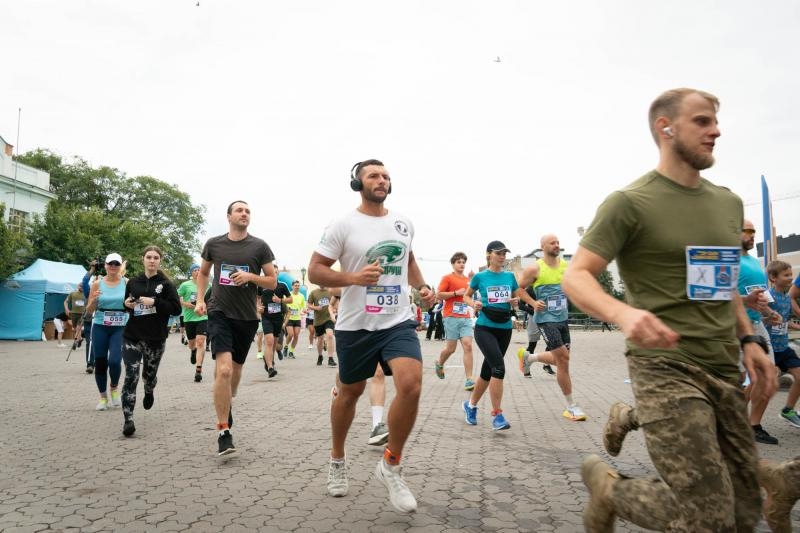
pixel 356 240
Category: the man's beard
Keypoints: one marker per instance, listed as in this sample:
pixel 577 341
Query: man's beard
pixel 374 198
pixel 696 160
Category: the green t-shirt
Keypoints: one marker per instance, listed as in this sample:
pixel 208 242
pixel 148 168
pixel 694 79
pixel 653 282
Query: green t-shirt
pixel 320 297
pixel 77 303
pixel 647 227
pixel 188 293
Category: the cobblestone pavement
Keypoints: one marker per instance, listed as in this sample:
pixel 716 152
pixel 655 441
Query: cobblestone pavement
pixel 67 467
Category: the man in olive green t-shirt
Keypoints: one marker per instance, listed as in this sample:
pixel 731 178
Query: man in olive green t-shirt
pixel 675 237
pixel 319 300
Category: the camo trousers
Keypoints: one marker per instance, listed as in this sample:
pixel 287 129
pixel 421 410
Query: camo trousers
pixel 699 439
pixel 136 354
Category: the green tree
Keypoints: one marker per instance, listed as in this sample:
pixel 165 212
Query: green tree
pixel 101 210
pixel 15 248
pixel 606 280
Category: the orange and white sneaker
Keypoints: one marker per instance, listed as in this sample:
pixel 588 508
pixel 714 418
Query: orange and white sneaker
pixel 574 413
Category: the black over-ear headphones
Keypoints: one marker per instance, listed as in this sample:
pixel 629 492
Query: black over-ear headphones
pixel 355 183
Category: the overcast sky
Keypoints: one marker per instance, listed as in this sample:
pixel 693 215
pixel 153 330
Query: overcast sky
pixel 272 102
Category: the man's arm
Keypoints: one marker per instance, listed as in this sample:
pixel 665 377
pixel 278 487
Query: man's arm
pixel 525 279
pixel 66 306
pixel 202 285
pixel 639 326
pixel 794 294
pixel 759 366
pixel 321 273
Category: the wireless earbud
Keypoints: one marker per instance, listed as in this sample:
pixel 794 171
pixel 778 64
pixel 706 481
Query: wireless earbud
pixel 667 131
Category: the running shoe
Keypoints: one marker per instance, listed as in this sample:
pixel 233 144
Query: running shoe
pixel 272 372
pixel 469 384
pixel 148 400
pixel 89 369
pixel 471 413
pixel 319 360
pixel 500 423
pixel 790 415
pixel 574 413
pixel 524 365
pixel 549 369
pixel 62 345
pixel 337 478
pixel 280 355
pixel 225 441
pixel 198 377
pixel 260 355
pixel 399 494
pixel 128 428
pixel 439 368
pixel 331 362
pixel 379 435
pixel 291 355
pixel 116 399
pixel 762 436
pixel 310 347
pixel 184 340
pixel 102 405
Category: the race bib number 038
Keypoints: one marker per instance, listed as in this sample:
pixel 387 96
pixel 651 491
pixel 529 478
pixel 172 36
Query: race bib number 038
pixel 383 299
pixel 712 272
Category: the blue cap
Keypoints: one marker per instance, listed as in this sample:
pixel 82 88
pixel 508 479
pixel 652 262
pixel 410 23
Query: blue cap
pixel 194 267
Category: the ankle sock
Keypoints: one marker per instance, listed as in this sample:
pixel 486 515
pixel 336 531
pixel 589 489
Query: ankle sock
pixel 391 458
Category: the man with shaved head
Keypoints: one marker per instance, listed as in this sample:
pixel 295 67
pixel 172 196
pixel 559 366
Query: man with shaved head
pixel 551 316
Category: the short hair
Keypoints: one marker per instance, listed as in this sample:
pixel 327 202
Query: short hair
pixel 366 163
pixel 457 256
pixel 776 267
pixel 668 105
pixel 230 205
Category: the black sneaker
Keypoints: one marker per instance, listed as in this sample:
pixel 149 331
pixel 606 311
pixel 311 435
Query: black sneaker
pixel 147 403
pixel 272 372
pixel 331 362
pixel 89 369
pixel 225 441
pixel 184 340
pixel 128 428
pixel 549 370
pixel 280 355
pixel 198 377
pixel 763 437
pixel 319 360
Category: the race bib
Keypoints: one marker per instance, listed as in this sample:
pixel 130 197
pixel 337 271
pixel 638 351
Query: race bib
pixel 78 303
pixel 712 272
pixel 142 310
pixel 324 301
pixel 499 294
pixel 273 308
pixel 114 318
pixel 294 314
pixel 750 288
pixel 780 330
pixel 383 299
pixel 460 308
pixel 556 302
pixel 225 272
pixel 193 298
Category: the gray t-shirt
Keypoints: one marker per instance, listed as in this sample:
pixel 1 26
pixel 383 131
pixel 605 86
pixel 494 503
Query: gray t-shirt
pixel 247 255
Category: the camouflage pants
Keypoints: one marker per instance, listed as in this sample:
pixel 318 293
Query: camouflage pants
pixel 136 354
pixel 698 437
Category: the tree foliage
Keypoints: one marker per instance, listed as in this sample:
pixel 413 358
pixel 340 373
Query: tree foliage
pixel 102 210
pixel 606 280
pixel 15 249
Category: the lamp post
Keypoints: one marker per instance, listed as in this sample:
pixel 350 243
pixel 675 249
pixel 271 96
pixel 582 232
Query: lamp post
pixel 303 273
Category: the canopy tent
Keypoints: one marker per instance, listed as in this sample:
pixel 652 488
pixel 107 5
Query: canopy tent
pixel 36 294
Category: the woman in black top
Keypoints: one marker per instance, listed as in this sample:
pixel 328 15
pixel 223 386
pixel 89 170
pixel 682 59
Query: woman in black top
pixel 150 299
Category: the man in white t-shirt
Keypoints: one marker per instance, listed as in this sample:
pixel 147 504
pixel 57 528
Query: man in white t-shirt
pixel 375 325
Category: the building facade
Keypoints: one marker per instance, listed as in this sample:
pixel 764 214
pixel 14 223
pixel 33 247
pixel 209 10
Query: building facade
pixel 24 190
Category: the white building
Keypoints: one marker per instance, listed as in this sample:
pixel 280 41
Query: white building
pixel 24 190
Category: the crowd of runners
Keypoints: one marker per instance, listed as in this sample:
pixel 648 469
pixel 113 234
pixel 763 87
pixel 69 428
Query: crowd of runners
pixel 705 332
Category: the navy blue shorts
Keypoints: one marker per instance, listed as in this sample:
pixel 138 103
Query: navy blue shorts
pixel 359 352
pixel 786 359
pixel 231 335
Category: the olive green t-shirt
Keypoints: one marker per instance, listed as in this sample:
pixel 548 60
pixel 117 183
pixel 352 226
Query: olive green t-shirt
pixel 320 297
pixel 647 226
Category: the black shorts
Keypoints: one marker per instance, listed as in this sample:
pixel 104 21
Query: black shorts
pixel 309 322
pixel 293 324
pixel 231 335
pixel 319 331
pixel 272 326
pixel 195 328
pixel 180 317
pixel 556 334
pixel 359 352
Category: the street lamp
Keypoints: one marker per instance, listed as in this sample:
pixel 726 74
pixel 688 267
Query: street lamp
pixel 303 273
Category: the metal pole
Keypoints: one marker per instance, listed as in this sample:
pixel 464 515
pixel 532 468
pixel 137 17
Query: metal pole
pixel 16 163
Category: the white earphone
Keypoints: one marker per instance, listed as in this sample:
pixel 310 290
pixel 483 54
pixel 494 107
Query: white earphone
pixel 667 131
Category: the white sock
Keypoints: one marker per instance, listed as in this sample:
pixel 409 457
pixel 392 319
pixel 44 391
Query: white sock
pixel 569 399
pixel 472 406
pixel 533 358
pixel 377 415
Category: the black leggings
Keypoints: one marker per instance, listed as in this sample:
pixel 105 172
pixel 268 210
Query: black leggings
pixel 493 342
pixel 138 354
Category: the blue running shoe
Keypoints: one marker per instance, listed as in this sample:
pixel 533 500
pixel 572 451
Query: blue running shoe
pixel 499 422
pixel 471 412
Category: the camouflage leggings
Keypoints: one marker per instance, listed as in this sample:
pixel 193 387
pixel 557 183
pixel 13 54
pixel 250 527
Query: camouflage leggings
pixel 134 353
pixel 696 430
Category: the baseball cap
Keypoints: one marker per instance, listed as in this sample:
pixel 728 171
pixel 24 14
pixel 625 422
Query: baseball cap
pixel 194 267
pixel 114 257
pixel 496 246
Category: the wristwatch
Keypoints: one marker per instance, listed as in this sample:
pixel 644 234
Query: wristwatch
pixel 758 339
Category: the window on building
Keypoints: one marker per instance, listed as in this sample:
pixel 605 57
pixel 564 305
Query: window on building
pixel 17 219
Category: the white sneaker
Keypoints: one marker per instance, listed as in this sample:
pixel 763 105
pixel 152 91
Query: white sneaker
pixel 574 413
pixel 310 346
pixel 116 399
pixel 399 494
pixel 62 345
pixel 337 478
pixel 260 355
pixel 102 405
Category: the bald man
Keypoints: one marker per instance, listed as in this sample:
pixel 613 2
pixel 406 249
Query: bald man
pixel 551 317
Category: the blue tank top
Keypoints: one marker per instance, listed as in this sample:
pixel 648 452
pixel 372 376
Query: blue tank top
pixel 110 309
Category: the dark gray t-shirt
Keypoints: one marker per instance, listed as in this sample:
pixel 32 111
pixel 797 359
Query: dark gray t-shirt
pixel 247 255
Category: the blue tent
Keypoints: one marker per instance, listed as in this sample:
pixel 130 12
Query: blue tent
pixel 36 294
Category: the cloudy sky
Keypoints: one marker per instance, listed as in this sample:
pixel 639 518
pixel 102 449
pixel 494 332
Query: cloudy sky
pixel 272 102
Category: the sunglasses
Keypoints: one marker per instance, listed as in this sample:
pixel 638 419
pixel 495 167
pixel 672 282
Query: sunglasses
pixel 114 264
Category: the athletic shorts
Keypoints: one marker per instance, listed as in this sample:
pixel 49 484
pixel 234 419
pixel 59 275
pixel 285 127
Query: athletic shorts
pixel 457 328
pixel 359 352
pixel 231 335
pixel 193 329
pixel 556 334
pixel 75 319
pixel 319 331
pixel 59 324
pixel 272 327
pixel 309 322
pixel 293 324
pixel 533 330
pixel 786 359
